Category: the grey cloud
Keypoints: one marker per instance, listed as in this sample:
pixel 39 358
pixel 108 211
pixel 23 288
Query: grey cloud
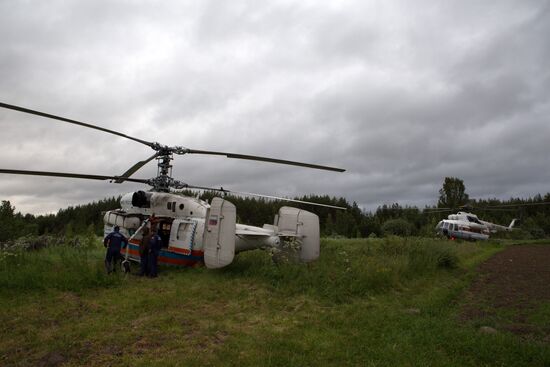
pixel 400 95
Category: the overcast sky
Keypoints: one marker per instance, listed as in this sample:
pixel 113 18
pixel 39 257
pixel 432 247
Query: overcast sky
pixel 399 93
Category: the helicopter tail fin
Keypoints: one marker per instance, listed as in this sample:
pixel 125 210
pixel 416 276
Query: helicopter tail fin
pixel 304 227
pixel 219 234
pixel 513 224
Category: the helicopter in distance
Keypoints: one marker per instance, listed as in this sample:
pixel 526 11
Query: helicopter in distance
pixel 195 232
pixel 468 226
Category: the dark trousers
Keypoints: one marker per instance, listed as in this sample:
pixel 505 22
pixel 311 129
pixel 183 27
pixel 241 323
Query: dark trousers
pixel 153 259
pixel 144 264
pixel 111 258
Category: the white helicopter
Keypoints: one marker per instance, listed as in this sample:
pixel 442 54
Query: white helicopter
pixel 468 226
pixel 195 232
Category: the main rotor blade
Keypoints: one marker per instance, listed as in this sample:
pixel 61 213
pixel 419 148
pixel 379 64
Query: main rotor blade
pixel 496 209
pixel 264 196
pixel 265 159
pixel 435 210
pixel 134 168
pixel 43 114
pixel 69 175
pixel 515 205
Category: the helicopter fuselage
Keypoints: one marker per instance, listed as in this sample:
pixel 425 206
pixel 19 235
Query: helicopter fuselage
pixel 468 226
pixel 462 230
pixel 186 226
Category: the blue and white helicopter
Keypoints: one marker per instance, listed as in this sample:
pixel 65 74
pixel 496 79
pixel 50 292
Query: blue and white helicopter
pixel 468 226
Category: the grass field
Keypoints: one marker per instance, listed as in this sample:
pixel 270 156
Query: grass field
pixel 375 302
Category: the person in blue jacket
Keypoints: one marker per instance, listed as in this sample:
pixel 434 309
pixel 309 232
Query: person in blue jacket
pixel 114 241
pixel 155 244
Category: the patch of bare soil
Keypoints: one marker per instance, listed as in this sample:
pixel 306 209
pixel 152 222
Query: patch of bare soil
pixel 510 288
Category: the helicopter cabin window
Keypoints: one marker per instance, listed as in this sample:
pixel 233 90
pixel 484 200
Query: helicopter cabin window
pixel 173 206
pixel 181 206
pixel 168 205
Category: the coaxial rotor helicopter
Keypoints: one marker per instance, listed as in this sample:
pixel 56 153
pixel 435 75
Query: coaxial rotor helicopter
pixel 195 232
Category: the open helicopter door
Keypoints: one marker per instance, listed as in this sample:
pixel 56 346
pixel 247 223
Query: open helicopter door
pixel 219 234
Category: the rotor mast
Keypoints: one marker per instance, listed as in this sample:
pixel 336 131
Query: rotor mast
pixel 164 179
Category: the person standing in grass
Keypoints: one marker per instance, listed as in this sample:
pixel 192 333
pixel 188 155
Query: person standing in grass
pixel 144 252
pixel 155 244
pixel 114 241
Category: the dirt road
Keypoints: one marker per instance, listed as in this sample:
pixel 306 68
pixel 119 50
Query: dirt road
pixel 512 292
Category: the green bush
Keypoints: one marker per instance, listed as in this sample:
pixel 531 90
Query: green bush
pixel 397 227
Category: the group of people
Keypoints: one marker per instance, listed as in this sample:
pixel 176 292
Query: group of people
pixel 149 250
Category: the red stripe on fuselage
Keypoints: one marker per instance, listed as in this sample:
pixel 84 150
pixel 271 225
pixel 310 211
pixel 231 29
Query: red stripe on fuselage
pixel 168 260
pixel 184 262
pixel 130 251
pixel 176 250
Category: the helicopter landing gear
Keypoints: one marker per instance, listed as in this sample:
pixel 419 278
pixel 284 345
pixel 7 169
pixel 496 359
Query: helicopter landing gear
pixel 125 265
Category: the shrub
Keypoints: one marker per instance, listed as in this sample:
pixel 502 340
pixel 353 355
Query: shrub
pixel 397 227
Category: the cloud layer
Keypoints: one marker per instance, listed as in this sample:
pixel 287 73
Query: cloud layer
pixel 399 94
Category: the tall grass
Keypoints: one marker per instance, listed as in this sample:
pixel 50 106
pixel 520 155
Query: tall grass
pixel 353 268
pixel 62 267
pixel 347 268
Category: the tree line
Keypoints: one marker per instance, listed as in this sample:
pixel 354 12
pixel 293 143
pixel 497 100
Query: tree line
pixel 79 219
pixel 353 222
